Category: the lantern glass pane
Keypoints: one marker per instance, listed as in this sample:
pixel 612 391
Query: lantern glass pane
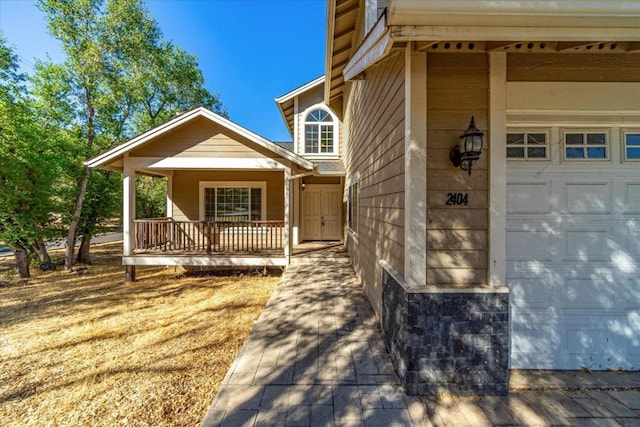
pixel 477 143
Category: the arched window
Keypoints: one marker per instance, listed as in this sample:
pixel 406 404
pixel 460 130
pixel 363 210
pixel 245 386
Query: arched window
pixel 319 131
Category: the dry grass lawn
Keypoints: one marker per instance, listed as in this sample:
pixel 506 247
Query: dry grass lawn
pixel 92 350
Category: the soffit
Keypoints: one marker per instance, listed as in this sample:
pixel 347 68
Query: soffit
pixel 341 33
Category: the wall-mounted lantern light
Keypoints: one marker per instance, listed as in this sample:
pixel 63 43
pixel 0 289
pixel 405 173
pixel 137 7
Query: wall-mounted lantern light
pixel 467 153
pixel 303 185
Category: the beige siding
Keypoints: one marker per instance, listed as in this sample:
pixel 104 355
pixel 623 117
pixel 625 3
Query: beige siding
pixel 573 67
pixel 186 191
pixel 201 138
pixel 374 149
pixel 457 88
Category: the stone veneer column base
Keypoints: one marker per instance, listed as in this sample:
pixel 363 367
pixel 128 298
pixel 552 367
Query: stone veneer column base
pixel 446 341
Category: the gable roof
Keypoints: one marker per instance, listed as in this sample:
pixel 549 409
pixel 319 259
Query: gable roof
pixel 115 153
pixel 286 102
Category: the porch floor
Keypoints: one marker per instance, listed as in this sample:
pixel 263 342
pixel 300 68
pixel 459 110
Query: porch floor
pixel 316 357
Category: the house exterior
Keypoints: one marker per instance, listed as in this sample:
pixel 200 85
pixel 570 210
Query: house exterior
pixel 531 260
pixel 233 198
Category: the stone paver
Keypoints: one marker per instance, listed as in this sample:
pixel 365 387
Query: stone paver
pixel 316 358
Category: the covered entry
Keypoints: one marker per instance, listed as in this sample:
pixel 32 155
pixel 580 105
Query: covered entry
pixel 322 212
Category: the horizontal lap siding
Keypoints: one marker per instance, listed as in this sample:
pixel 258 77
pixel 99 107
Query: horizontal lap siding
pixel 186 191
pixel 201 138
pixel 374 148
pixel 573 67
pixel 457 236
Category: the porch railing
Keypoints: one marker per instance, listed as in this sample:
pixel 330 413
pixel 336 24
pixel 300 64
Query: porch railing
pixel 166 235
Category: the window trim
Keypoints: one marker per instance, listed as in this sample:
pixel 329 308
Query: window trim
pixel 585 131
pixel 302 143
pixel 526 131
pixel 232 184
pixel 623 141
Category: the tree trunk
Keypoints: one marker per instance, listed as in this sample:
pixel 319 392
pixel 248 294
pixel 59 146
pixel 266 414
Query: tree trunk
pixel 40 249
pixel 22 262
pixel 84 256
pixel 73 225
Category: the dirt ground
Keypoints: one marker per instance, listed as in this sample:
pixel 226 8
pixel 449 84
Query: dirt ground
pixel 84 348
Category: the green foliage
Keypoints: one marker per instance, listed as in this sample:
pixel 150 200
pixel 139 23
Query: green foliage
pixel 30 159
pixel 119 78
pixel 151 197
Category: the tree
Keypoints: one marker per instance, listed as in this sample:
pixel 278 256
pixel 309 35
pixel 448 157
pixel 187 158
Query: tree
pixel 29 159
pixel 118 78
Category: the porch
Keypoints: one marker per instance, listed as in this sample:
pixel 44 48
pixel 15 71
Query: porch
pixel 169 241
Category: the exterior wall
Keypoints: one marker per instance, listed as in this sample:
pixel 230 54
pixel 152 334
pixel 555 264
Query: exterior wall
pixel 374 152
pixel 186 191
pixel 201 138
pixel 447 342
pixel 457 236
pixel 573 67
pixel 304 101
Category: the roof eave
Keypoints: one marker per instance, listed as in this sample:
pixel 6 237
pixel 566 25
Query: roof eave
pixel 106 158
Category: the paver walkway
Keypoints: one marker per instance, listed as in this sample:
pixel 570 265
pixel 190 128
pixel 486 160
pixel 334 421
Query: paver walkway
pixel 316 358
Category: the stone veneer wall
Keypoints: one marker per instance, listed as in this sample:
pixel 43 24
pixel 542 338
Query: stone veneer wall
pixel 447 342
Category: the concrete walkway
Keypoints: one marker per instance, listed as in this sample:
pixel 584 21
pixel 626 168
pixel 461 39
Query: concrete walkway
pixel 316 358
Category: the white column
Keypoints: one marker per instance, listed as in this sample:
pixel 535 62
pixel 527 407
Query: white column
pixel 128 206
pixel 295 209
pixel 287 214
pixel 415 165
pixel 497 168
pixel 170 195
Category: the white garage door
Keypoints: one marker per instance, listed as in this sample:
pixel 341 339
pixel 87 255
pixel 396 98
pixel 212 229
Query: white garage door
pixel 573 251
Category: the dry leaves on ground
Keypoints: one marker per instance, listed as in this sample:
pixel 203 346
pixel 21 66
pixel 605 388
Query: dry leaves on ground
pixel 92 350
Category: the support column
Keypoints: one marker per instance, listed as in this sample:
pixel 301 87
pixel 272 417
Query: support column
pixel 295 209
pixel 170 195
pixel 287 214
pixel 497 168
pixel 128 214
pixel 415 165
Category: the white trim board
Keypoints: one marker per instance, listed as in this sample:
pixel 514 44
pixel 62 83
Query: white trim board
pixel 204 163
pixel 205 261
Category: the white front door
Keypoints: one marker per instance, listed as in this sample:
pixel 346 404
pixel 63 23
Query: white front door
pixel 321 212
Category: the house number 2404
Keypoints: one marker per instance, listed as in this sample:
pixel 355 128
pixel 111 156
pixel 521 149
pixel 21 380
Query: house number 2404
pixel 457 199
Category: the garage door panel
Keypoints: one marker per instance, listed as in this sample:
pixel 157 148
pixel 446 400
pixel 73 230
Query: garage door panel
pixel 589 293
pixel 529 197
pixel 526 293
pixel 588 198
pixel 588 245
pixel 632 243
pixel 632 198
pixel 630 295
pixel 529 245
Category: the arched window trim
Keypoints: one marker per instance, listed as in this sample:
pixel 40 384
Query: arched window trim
pixel 303 137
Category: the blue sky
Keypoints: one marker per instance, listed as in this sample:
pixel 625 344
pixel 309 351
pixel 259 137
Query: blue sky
pixel 250 51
